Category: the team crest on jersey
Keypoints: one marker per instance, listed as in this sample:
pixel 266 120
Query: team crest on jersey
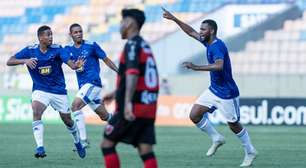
pixel 108 129
pixel 45 70
pixel 84 53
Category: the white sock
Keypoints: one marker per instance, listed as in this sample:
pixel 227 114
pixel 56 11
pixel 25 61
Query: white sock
pixel 246 141
pixel 74 132
pixel 207 127
pixel 38 131
pixel 80 122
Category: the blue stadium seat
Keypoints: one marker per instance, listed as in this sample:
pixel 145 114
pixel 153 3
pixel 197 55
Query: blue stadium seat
pixel 63 3
pixel 42 14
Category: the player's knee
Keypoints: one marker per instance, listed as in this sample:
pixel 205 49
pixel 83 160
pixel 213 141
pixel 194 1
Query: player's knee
pixel 235 126
pixel 37 114
pixel 145 149
pixel 194 116
pixel 67 119
pixel 106 144
pixel 75 106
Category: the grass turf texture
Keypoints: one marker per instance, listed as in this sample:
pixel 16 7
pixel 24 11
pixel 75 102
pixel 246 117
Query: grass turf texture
pixel 178 147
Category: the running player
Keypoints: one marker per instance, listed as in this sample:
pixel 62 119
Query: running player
pixel 44 63
pixel 223 93
pixel 88 78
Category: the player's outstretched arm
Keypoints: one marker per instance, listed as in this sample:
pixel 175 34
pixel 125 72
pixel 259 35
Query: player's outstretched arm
pixel 217 66
pixel 12 61
pixel 185 27
pixel 110 64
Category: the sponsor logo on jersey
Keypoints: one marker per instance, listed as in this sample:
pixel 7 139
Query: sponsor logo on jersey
pixel 45 70
pixel 148 98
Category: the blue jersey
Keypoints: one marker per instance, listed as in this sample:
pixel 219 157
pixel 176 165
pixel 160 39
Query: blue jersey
pixel 91 52
pixel 48 75
pixel 222 82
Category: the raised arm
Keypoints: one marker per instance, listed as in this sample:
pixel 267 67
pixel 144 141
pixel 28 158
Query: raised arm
pixel 110 64
pixel 31 62
pixel 185 27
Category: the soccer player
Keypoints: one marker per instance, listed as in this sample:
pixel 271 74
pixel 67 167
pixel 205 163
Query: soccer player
pixel 44 63
pixel 223 93
pixel 88 78
pixel 135 96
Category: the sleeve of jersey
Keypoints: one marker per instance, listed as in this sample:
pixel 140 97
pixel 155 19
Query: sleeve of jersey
pixel 99 51
pixel 64 54
pixel 132 59
pixel 217 53
pixel 23 54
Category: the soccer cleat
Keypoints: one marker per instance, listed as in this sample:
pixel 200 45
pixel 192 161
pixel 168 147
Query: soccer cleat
pixel 80 149
pixel 213 149
pixel 40 152
pixel 248 159
pixel 85 144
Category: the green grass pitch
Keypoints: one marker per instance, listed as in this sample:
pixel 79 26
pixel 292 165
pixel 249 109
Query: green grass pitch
pixel 178 147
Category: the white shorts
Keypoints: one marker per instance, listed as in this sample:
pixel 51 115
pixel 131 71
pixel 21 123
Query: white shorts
pixel 91 95
pixel 58 102
pixel 228 107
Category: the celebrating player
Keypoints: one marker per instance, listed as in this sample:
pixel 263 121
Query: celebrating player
pixel 44 63
pixel 223 93
pixel 88 78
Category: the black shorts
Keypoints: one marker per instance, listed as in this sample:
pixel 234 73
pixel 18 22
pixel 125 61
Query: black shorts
pixel 131 132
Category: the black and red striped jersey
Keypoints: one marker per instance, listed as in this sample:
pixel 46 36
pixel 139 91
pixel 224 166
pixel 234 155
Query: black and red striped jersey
pixel 137 58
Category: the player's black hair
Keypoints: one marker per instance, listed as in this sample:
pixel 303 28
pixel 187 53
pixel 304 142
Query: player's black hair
pixel 41 29
pixel 212 24
pixel 74 25
pixel 136 14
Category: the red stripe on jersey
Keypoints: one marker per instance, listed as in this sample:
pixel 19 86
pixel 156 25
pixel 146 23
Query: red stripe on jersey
pixel 122 60
pixel 144 110
pixel 141 85
pixel 118 81
pixel 132 71
pixel 143 56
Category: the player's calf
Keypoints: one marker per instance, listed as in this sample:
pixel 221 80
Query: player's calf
pixel 102 113
pixel 149 160
pixel 111 158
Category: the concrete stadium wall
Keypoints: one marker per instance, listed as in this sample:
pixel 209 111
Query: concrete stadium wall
pixel 239 41
pixel 249 85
